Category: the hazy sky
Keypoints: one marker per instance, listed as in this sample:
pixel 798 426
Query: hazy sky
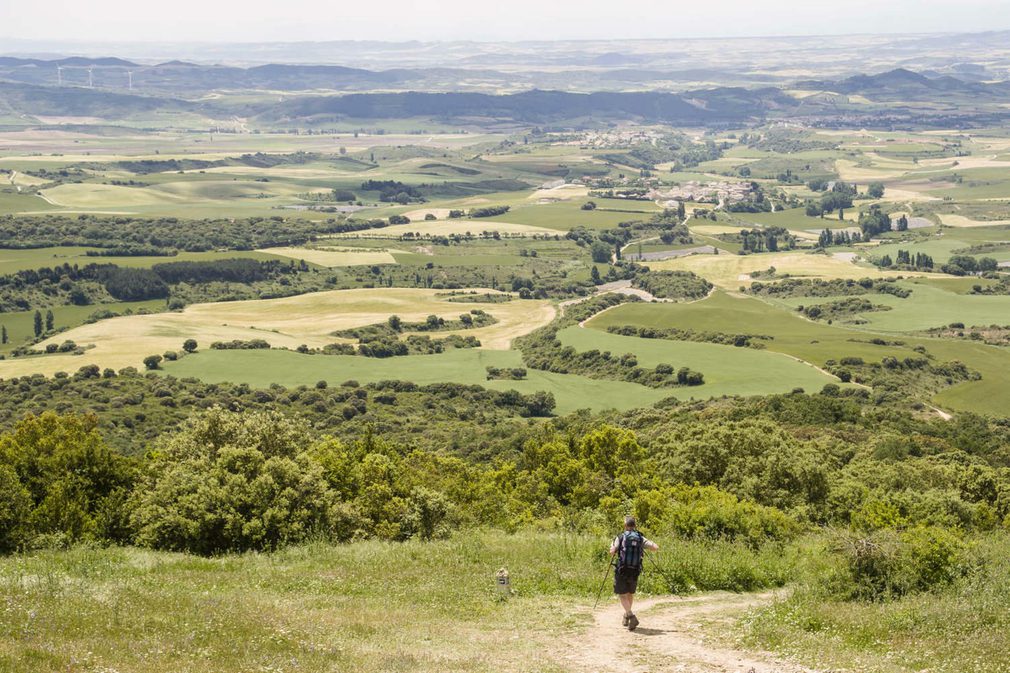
pixel 296 20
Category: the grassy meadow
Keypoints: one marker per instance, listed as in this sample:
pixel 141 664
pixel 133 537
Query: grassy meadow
pixel 466 366
pixel 370 606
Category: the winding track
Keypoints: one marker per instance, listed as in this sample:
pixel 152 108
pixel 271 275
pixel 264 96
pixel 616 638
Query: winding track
pixel 672 637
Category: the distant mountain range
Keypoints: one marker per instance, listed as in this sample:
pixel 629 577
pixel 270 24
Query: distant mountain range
pixel 899 83
pixel 319 94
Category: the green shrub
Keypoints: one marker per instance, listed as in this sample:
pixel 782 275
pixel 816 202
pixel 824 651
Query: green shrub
pixel 888 564
pixel 234 482
pixel 59 479
pixel 705 512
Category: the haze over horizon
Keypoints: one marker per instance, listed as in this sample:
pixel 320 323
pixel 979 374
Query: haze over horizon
pixel 63 21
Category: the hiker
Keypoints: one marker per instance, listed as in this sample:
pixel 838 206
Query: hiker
pixel 629 547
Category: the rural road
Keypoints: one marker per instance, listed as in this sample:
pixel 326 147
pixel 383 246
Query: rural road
pixel 672 637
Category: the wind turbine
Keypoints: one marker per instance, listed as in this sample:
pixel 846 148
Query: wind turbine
pixel 91 79
pixel 59 75
pixel 129 73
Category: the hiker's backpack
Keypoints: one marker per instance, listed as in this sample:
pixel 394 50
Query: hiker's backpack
pixel 630 550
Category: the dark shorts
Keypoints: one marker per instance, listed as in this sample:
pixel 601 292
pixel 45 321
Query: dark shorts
pixel 625 581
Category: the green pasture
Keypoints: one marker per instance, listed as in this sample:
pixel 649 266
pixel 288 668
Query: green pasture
pixel 996 233
pixel 728 370
pixel 565 215
pixel 818 342
pixel 261 368
pixel 976 183
pixel 927 307
pixel 12 261
pixel 734 314
pixel 21 324
pixel 16 202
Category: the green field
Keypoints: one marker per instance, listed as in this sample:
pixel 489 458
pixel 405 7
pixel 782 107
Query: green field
pixel 466 366
pixel 728 370
pixel 12 261
pixel 21 324
pixel 810 341
pixel 818 342
pixel 566 215
pixel 927 307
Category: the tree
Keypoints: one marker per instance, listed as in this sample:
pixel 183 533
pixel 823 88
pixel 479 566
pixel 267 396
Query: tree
pixel 38 323
pixel 589 205
pixel 3 335
pixel 59 467
pixel 874 221
pixel 152 361
pixel 594 275
pixel 50 320
pixel 875 190
pixel 189 345
pixel 600 252
pixel 230 482
pixel 987 264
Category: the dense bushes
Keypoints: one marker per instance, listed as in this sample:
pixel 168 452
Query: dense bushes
pixel 59 482
pixel 489 211
pixel 705 512
pixel 677 334
pixel 890 564
pixel 237 270
pixel 842 309
pixel 229 483
pixel 128 284
pixel 260 480
pixel 672 284
pixel 168 232
pixel 807 287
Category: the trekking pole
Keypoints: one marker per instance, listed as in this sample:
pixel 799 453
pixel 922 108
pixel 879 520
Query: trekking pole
pixel 661 572
pixel 599 594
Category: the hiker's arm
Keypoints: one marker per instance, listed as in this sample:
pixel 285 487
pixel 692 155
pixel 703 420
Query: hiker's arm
pixel 649 544
pixel 613 547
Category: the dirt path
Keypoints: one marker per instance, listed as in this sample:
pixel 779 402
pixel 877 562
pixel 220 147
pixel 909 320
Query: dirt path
pixel 673 636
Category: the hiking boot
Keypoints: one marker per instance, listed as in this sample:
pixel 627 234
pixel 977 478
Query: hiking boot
pixel 624 622
pixel 632 622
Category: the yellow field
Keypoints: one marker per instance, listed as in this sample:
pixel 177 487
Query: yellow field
pixel 962 221
pixel 732 271
pixel 292 321
pixel 107 196
pixel 715 229
pixel 562 193
pixel 449 227
pixel 418 215
pixel 335 256
pixel 89 195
